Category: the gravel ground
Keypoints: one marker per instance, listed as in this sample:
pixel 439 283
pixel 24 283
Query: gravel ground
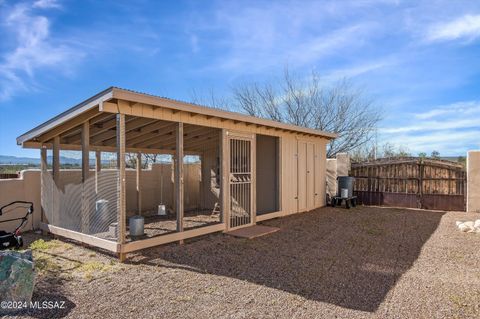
pixel 366 262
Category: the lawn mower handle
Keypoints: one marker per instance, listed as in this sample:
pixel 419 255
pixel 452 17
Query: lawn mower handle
pixel 30 209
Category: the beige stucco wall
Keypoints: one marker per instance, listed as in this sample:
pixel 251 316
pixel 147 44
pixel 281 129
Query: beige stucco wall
pixel 339 166
pixel 25 188
pixel 157 188
pixel 473 181
pixel 331 176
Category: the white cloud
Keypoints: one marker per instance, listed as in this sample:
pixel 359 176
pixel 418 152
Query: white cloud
pixel 463 108
pixel 466 27
pixel 357 70
pixel 46 4
pixel 458 115
pixel 34 49
pixel 437 125
pixel 256 36
pixel 448 142
pixel 327 44
pixel 450 129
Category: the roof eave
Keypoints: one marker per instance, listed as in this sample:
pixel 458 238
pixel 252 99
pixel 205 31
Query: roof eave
pixel 67 115
pixel 114 92
pixel 120 93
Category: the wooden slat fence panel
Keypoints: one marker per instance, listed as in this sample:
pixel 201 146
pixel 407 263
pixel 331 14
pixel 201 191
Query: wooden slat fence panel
pixel 411 182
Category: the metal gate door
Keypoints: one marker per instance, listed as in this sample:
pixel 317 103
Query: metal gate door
pixel 241 204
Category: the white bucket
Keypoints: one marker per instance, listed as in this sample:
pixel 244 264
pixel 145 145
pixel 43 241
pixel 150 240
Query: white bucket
pixel 161 210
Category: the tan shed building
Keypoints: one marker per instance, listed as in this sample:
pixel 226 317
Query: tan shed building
pixel 219 170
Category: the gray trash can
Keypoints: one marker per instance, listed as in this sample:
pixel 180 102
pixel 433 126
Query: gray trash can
pixel 136 225
pixel 345 182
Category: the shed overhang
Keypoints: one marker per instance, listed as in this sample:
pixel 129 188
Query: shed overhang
pixel 102 103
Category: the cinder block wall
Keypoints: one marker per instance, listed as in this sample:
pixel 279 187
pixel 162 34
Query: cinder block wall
pixel 473 181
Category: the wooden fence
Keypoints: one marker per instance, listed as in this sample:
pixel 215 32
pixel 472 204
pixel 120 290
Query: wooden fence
pixel 411 182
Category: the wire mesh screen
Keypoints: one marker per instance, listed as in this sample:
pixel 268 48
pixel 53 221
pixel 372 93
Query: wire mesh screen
pixel 86 204
pixel 240 182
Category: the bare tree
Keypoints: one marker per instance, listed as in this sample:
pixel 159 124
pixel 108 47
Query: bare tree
pixel 147 159
pixel 210 99
pixel 341 108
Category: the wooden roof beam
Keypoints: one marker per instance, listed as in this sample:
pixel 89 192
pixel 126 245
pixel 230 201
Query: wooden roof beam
pixel 169 143
pixel 147 131
pixel 78 120
pixel 151 138
pixel 112 135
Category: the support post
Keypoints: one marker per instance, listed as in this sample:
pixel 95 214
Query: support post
pixel 139 183
pixel 85 136
pixel 253 178
pixel 121 217
pixel 43 172
pixel 421 167
pixel 98 168
pixel 56 159
pixel 179 177
pixel 56 178
pixel 203 181
pixel 224 173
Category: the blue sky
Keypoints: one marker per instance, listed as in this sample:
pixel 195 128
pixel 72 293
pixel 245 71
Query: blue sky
pixel 420 60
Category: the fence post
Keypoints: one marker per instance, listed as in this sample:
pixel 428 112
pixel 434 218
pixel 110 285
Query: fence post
pixel 420 182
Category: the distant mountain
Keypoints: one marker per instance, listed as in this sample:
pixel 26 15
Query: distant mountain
pixel 6 159
pixel 451 158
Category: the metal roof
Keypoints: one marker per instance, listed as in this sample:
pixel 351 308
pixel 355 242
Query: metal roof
pixel 134 96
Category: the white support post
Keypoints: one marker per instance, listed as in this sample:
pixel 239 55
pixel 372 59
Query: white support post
pixel 139 183
pixel 179 177
pixel 121 218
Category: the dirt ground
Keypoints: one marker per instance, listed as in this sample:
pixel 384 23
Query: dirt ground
pixel 365 262
pixel 160 225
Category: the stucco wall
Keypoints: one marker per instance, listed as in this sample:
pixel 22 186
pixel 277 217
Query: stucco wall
pixel 25 188
pixel 157 188
pixel 339 166
pixel 473 181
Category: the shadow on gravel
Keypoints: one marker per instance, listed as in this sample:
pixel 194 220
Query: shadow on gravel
pixel 350 258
